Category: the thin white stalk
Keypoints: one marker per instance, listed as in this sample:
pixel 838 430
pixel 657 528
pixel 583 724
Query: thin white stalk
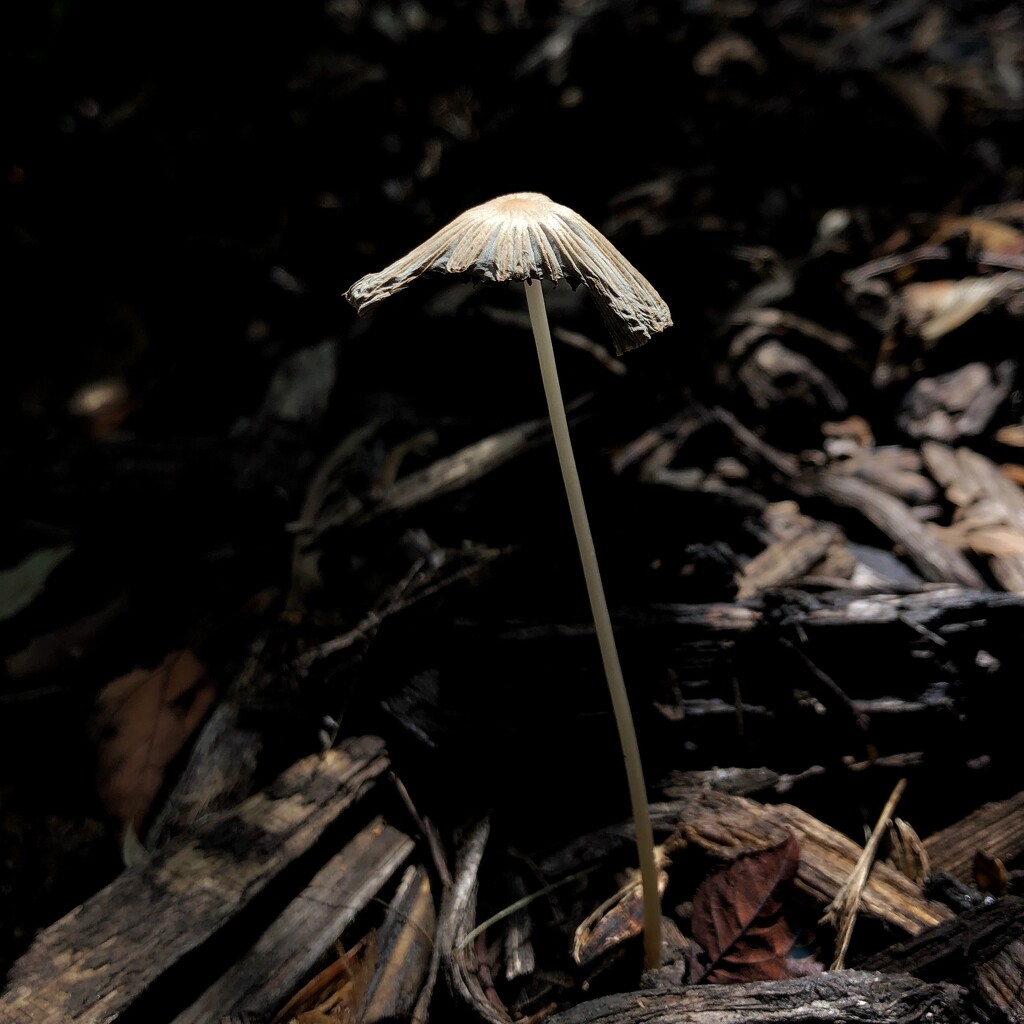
pixel 602 626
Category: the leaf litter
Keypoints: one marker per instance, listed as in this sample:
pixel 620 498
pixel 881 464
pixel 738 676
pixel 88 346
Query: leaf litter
pixel 833 601
pixel 140 723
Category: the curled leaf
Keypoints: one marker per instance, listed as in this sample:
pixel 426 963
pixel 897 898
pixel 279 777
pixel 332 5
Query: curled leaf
pixel 619 918
pixel 740 919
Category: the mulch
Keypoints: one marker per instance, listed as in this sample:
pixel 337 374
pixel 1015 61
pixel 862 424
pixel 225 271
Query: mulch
pixel 805 495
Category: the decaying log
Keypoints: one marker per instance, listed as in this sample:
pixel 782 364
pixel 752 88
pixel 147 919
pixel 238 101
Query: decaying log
pixel 90 966
pixel 263 978
pixel 1001 982
pixel 728 825
pixel 996 829
pixel 951 948
pixel 719 623
pixel 835 997
pixel 980 948
pixel 840 608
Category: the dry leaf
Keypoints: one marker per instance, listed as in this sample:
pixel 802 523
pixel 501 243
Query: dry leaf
pixel 990 874
pixel 338 991
pixel 739 918
pixel 619 919
pixel 140 723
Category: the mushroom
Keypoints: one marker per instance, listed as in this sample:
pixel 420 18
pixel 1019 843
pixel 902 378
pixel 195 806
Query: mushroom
pixel 526 237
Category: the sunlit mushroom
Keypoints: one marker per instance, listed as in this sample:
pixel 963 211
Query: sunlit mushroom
pixel 526 237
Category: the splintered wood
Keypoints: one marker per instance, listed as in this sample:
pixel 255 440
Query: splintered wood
pixel 92 965
pixel 727 825
pixel 839 997
pixel 996 829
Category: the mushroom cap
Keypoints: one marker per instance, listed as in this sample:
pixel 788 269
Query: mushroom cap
pixel 524 236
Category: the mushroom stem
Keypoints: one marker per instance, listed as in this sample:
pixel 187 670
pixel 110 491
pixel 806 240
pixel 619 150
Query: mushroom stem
pixel 602 625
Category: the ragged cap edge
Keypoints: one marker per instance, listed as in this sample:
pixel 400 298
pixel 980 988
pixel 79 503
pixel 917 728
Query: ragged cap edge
pixel 525 236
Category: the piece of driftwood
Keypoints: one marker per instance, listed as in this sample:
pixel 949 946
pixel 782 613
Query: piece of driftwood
pixel 94 963
pixel 835 997
pixel 264 976
pixel 996 829
pixel 728 825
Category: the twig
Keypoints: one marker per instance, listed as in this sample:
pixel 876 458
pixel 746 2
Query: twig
pixel 429 833
pixel 842 911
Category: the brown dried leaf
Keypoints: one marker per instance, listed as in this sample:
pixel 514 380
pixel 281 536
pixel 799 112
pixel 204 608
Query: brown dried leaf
pixel 619 918
pixel 140 723
pixel 739 918
pixel 338 991
pixel 990 874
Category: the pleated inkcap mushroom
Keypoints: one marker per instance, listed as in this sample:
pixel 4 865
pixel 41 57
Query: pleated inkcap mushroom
pixel 524 236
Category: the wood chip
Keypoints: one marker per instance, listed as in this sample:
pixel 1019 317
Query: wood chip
pixel 997 828
pixel 263 977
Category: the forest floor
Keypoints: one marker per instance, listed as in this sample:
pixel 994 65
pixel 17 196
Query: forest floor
pixel 236 516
